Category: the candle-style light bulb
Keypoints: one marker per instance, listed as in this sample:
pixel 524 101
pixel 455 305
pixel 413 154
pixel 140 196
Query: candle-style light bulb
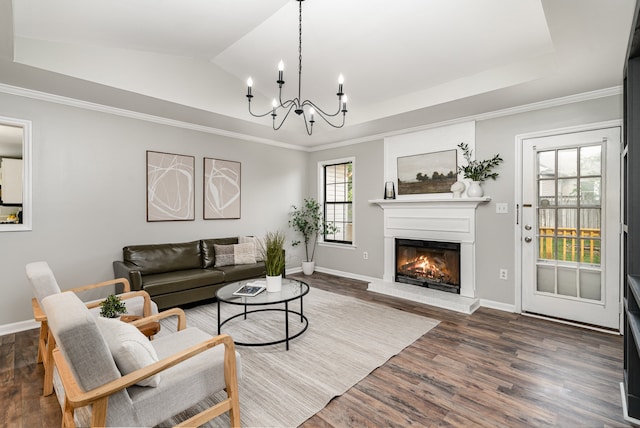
pixel 312 111
pixel 274 104
pixel 340 82
pixel 280 72
pixel 344 103
pixel 249 85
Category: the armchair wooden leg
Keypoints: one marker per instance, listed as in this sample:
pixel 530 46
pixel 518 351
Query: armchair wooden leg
pixel 47 362
pixel 99 412
pixel 42 340
pixel 67 416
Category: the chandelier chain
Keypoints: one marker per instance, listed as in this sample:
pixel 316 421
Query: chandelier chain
pixel 300 53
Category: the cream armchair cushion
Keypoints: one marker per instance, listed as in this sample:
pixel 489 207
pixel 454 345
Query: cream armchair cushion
pixel 129 347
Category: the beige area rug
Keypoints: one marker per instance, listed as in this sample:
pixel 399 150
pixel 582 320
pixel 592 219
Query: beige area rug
pixel 347 339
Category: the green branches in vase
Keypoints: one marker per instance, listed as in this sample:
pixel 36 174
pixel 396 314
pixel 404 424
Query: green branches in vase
pixel 112 307
pixel 476 170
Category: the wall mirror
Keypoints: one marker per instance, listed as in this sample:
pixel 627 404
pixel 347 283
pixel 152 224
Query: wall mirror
pixel 15 174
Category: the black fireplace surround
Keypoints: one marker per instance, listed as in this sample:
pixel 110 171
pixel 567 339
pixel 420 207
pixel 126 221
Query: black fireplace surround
pixel 431 264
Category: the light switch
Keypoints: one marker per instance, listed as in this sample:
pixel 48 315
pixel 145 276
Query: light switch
pixel 502 208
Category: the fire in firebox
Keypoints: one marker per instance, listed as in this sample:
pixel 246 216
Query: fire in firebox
pixel 432 268
pixel 428 264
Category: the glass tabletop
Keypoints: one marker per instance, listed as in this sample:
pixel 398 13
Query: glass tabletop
pixel 291 289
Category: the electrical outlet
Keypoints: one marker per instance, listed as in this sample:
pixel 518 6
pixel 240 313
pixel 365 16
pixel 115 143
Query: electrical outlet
pixel 365 255
pixel 502 208
pixel 503 274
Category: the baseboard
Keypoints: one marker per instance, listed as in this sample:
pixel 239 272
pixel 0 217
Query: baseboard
pixel 625 411
pixel 492 304
pixel 346 274
pixel 293 270
pixel 19 326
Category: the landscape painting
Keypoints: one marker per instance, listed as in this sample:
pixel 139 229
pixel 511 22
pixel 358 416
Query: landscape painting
pixel 427 173
pixel 221 189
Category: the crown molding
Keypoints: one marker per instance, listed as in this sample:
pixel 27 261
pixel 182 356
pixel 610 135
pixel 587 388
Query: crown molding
pixel 72 102
pixel 555 102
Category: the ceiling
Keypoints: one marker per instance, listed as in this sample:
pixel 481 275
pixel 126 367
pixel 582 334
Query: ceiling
pixel 405 62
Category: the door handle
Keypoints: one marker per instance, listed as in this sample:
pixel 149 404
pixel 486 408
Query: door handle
pixel 527 227
pixel 527 239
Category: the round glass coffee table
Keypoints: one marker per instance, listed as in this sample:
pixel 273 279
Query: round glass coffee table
pixel 292 289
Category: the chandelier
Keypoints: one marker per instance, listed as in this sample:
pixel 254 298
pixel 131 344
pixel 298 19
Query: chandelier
pixel 296 104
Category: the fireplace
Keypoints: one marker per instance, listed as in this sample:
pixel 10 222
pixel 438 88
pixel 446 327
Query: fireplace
pixel 431 264
pixel 433 219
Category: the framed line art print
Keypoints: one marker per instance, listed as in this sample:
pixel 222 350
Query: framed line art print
pixel 170 187
pixel 221 189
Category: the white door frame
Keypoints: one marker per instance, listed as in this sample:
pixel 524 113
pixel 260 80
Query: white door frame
pixel 518 191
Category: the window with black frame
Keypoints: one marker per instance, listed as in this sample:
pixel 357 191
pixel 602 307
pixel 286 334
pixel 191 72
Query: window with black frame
pixel 338 201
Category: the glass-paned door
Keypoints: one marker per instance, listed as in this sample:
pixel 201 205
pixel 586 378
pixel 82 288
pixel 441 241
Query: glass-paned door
pixel 570 226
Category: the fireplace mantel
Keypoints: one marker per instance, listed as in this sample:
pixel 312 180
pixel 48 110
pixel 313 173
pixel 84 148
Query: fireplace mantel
pixel 445 219
pixel 430 202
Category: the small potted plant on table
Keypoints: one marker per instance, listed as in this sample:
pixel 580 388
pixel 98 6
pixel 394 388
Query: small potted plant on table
pixel 273 254
pixel 112 307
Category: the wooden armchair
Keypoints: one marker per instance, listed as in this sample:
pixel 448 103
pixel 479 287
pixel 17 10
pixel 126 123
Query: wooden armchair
pixel 43 282
pixel 191 364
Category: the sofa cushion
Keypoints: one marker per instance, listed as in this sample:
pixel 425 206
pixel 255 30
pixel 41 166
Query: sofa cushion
pixel 158 258
pixel 170 282
pixel 131 350
pixel 236 254
pixel 208 252
pixel 258 242
pixel 239 272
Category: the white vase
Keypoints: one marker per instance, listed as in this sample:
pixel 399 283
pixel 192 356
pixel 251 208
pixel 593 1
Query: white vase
pixel 475 190
pixel 308 267
pixel 274 283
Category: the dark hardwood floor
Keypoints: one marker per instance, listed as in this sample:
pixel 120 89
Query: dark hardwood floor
pixel 492 369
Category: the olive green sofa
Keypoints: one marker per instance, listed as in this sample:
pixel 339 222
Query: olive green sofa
pixel 175 274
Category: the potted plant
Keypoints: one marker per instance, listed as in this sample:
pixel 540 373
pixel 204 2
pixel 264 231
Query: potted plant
pixel 273 254
pixel 477 171
pixel 309 221
pixel 112 307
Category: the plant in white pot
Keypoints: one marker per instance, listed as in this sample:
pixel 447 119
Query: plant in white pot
pixel 273 254
pixel 310 223
pixel 477 171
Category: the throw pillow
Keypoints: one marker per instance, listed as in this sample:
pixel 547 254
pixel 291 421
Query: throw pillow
pixel 244 254
pixel 130 349
pixel 258 243
pixel 235 254
pixel 224 255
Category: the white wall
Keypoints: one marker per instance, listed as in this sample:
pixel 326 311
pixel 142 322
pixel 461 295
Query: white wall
pixel 495 233
pixel 89 195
